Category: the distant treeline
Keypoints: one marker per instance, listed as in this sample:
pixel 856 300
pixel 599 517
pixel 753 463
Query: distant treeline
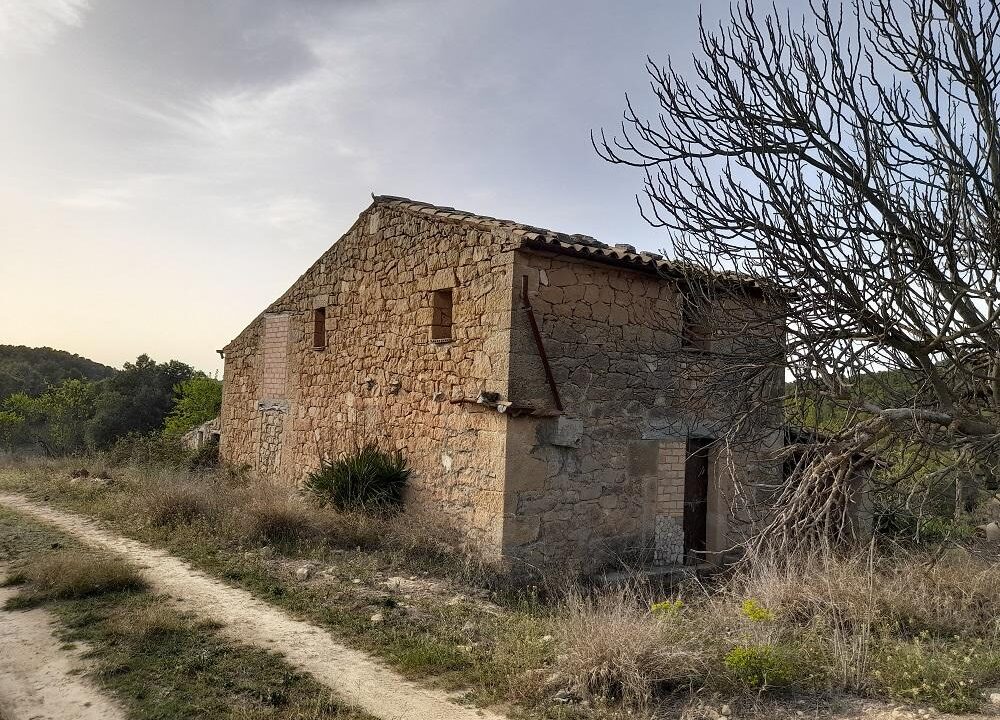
pixel 34 370
pixel 83 405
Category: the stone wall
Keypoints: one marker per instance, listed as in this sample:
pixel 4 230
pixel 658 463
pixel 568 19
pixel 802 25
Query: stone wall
pixel 606 480
pixel 380 375
pixel 197 436
pixel 402 329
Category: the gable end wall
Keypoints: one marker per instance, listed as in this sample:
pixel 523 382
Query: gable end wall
pixel 380 377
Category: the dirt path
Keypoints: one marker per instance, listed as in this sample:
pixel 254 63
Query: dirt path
pixel 36 679
pixel 354 675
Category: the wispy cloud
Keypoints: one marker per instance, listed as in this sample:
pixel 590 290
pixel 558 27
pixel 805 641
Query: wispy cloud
pixel 248 134
pixel 99 198
pixel 30 25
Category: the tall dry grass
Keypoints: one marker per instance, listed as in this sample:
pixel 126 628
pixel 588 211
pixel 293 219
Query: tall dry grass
pixel 615 649
pixel 822 623
pixel 227 505
pixel 73 574
pixel 819 623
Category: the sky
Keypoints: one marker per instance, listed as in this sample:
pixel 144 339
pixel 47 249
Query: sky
pixel 170 167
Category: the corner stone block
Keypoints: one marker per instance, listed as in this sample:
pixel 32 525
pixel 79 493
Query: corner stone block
pixel 568 432
pixel 522 530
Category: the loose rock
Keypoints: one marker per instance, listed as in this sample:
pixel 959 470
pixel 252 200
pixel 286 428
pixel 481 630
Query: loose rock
pixel 305 572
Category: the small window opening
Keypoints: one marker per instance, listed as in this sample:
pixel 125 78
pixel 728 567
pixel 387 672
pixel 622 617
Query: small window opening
pixel 319 329
pixel 696 333
pixel 441 316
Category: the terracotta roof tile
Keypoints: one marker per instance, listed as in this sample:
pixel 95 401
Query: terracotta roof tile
pixel 541 238
pixel 582 246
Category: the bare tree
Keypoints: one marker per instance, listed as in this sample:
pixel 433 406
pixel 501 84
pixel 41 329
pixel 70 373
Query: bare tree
pixel 851 159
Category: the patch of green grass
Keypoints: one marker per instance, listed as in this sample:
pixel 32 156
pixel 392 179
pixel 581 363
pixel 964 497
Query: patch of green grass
pixel 948 674
pixel 158 662
pixel 428 655
pixel 163 664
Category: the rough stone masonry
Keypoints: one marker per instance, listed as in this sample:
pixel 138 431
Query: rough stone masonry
pixel 533 380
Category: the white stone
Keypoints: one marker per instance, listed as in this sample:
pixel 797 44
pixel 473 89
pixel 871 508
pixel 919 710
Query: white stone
pixel 305 572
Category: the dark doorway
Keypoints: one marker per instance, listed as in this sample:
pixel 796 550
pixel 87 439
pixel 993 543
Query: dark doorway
pixel 696 500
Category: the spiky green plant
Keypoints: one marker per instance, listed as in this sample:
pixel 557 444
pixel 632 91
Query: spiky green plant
pixel 369 478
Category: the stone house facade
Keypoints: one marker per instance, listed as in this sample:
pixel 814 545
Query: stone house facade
pixel 531 378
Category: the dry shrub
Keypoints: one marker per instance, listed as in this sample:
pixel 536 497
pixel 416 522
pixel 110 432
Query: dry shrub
pixel 272 515
pixel 944 595
pixel 614 648
pixel 956 594
pixel 827 604
pixel 173 503
pixel 426 540
pixel 349 530
pixel 849 610
pixel 71 574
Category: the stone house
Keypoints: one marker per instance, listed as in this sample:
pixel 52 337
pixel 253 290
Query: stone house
pixel 198 436
pixel 531 378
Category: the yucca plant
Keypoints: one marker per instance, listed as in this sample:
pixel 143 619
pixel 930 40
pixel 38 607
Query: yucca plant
pixel 369 478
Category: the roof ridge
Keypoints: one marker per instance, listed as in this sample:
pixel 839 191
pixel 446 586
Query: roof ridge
pixel 578 245
pixel 446 211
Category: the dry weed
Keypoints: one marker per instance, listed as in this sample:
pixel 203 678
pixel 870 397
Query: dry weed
pixel 71 574
pixel 178 502
pixel 614 648
pixel 145 621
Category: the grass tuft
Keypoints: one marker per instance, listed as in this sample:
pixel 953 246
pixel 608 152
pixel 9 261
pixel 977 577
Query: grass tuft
pixel 69 574
pixel 169 504
pixel 615 649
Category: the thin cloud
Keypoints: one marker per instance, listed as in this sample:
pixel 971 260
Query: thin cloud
pixel 31 25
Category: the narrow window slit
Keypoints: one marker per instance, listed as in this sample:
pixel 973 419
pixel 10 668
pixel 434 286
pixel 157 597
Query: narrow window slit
pixel 441 316
pixel 319 329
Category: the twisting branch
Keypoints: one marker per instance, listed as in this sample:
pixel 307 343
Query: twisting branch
pixel 851 158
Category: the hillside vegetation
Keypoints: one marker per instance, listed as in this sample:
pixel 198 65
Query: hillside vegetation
pixel 33 370
pixel 83 413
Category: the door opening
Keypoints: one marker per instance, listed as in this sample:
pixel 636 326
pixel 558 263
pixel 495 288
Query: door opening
pixel 696 500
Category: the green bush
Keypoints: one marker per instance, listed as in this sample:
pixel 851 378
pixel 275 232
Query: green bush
pixel 367 479
pixel 760 666
pixel 753 611
pixel 199 398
